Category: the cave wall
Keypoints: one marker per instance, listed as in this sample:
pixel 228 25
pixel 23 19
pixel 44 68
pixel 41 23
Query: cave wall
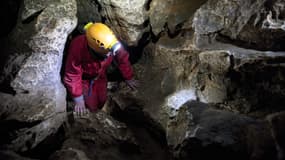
pixel 227 55
pixel 33 104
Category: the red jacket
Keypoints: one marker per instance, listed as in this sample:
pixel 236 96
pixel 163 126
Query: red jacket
pixel 81 64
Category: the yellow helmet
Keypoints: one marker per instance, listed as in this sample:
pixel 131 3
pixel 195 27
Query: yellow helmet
pixel 100 37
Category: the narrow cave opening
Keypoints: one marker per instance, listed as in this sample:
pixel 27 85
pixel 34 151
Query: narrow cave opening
pixel 8 15
pixel 150 136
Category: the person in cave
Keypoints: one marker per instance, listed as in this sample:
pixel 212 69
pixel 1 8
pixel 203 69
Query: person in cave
pixel 89 56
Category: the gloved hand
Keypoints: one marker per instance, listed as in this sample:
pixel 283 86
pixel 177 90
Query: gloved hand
pixel 133 84
pixel 80 111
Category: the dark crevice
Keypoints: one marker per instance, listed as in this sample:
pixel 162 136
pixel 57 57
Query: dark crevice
pixel 146 23
pixel 155 38
pixel 137 51
pixel 73 34
pixel 32 17
pixel 5 87
pixel 258 79
pixel 134 117
pixel 262 44
pixel 10 128
pixel 176 31
pixel 167 31
pixel 147 5
pixel 99 6
pixel 8 15
pixel 276 60
pixel 103 19
pixel 48 146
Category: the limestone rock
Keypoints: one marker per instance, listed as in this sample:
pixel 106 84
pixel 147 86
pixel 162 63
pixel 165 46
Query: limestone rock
pixel 31 90
pixel 165 69
pixel 126 18
pixel 219 134
pixel 213 68
pixel 98 136
pixel 31 8
pixel 238 79
pixel 87 11
pixel 172 13
pixel 240 23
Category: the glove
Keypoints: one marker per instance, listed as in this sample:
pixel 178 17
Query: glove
pixel 133 84
pixel 80 111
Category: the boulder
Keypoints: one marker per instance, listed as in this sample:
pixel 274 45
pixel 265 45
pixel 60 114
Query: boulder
pixel 98 136
pixel 243 23
pixel 126 18
pixel 173 14
pixel 199 132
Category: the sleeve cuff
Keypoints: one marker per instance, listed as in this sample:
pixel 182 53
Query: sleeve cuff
pixel 78 99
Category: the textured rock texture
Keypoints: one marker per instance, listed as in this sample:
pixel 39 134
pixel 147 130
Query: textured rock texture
pixel 12 156
pixel 171 14
pixel 87 11
pixel 32 96
pixel 220 134
pixel 126 18
pixel 97 137
pixel 244 23
pixel 227 53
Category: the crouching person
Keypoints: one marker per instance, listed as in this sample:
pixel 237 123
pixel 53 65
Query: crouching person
pixel 89 56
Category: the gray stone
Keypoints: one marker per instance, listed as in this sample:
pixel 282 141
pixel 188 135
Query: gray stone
pixel 276 123
pixel 32 70
pixel 69 154
pixel 240 23
pixel 166 69
pixel 229 15
pixel 98 136
pixel 171 13
pixel 198 126
pixel 126 18
pixel 87 11
pixel 217 61
pixel 31 8
pixel 10 155
pixel 214 65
